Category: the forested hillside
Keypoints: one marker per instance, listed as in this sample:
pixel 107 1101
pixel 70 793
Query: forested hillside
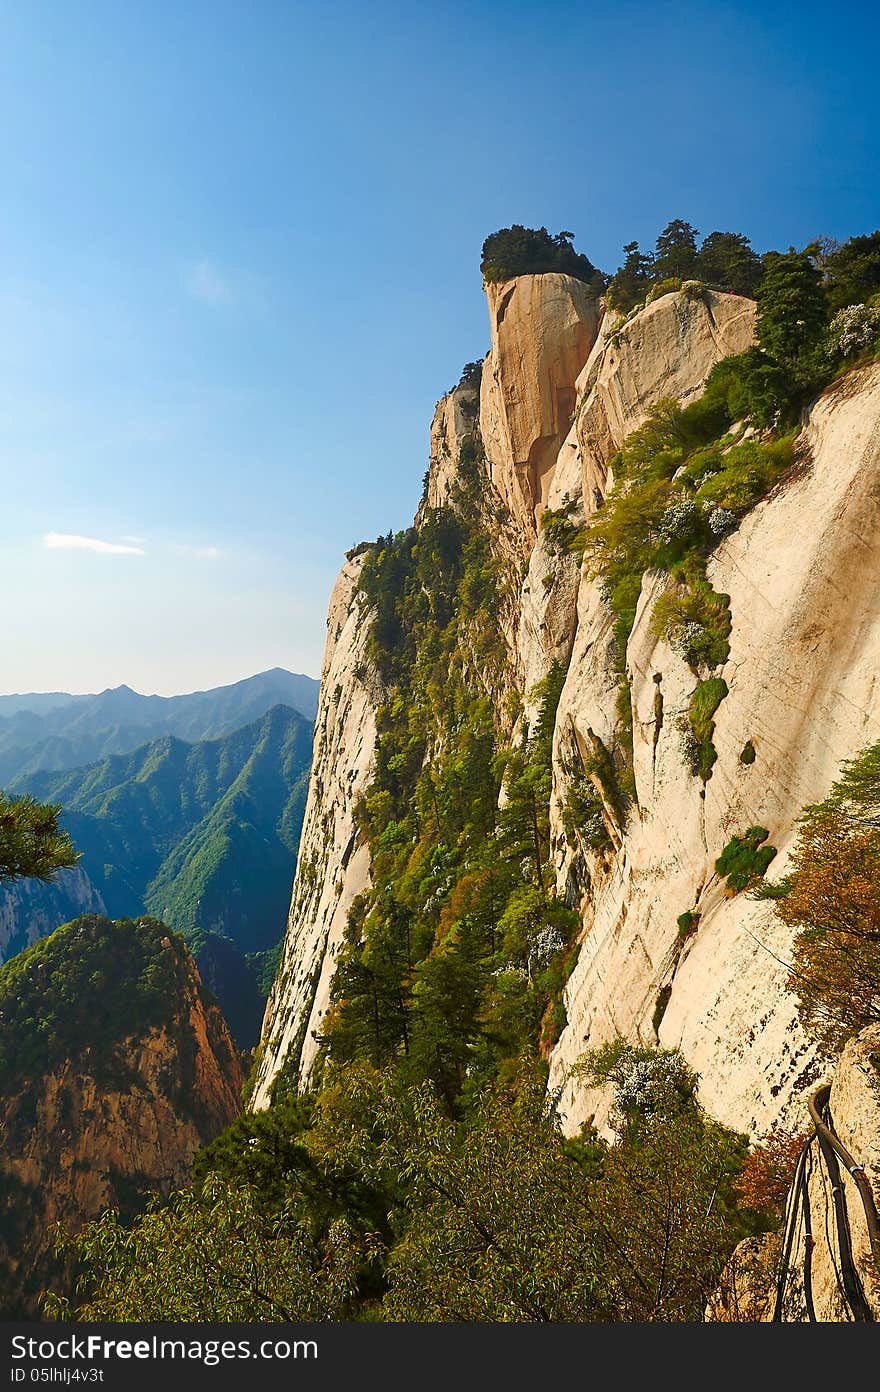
pixel 203 836
pixel 115 1066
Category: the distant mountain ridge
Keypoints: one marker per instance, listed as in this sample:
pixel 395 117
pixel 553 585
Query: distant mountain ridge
pixel 201 835
pixel 53 731
pixel 37 701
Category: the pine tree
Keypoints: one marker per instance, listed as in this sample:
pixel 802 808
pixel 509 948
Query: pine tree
pixel 792 311
pixel 32 844
pixel 852 271
pixel 631 282
pixel 727 261
pixel 675 254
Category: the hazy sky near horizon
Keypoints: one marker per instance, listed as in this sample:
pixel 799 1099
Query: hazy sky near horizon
pixel 239 263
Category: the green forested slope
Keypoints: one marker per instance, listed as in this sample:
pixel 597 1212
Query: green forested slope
pixel 255 824
pixel 203 836
pixel 115 1065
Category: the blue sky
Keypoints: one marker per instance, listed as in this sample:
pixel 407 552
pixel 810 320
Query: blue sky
pixel 239 255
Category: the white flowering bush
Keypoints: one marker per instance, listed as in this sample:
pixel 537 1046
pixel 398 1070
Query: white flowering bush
pixel 694 290
pixel 686 638
pixel 854 328
pixel 647 1082
pixel 720 521
pixel 681 520
pixel 548 943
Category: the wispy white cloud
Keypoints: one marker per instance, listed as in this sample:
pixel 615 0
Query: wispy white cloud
pixel 66 541
pixel 135 541
pixel 202 553
pixel 205 281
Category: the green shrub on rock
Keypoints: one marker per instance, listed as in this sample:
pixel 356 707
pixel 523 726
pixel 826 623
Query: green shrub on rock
pixel 745 859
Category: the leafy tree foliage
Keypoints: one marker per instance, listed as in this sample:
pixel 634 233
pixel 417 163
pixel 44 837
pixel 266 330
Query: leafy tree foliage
pixel 471 374
pixel 499 1219
pixel 851 272
pixel 797 353
pixel 765 1181
pixel 802 290
pixel 32 843
pixel 759 389
pixel 632 282
pixel 262 1151
pixel 834 905
pixel 792 312
pixel 212 1255
pixel 675 254
pixel 519 250
pixel 831 899
pixel 724 261
pixel 727 261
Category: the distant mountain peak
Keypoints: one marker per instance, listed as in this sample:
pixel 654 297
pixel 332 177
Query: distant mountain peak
pixel 86 729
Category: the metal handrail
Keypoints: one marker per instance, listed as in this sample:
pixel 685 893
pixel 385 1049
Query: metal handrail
pixel 833 1152
pixel 816 1105
pixel 789 1230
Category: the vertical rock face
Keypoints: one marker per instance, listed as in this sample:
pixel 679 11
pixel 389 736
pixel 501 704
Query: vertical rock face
pixel 543 328
pixel 333 866
pixel 123 1115
pixel 667 350
pixel 560 393
pixel 30 910
pixel 455 427
pixel 803 577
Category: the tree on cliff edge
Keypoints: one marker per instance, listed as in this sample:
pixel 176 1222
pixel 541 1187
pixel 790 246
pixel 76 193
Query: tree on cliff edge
pixel 518 250
pixel 831 899
pixel 792 312
pixel 632 281
pixel 675 254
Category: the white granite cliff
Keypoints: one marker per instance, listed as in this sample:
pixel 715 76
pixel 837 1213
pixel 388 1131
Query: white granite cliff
pixel 561 390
